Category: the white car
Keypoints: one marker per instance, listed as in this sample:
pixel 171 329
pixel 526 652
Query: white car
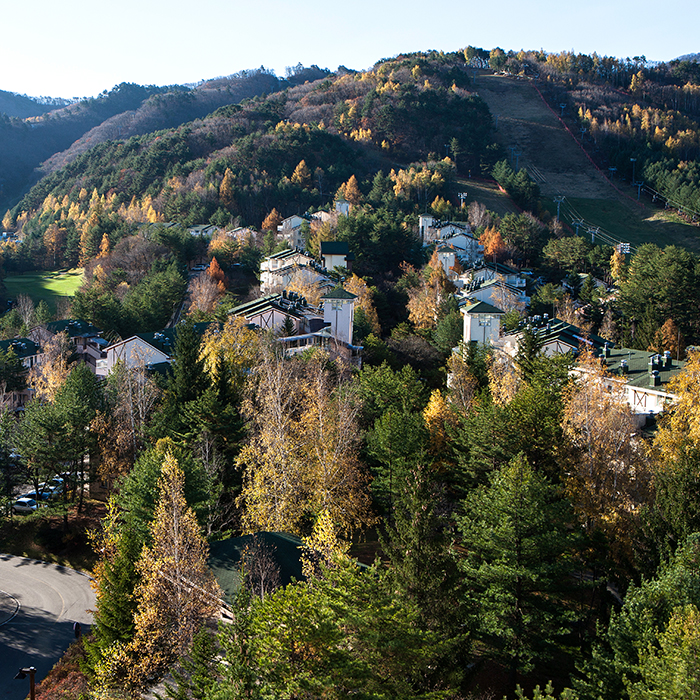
pixel 24 505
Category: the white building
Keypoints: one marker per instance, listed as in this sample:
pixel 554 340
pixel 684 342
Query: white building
pixel 481 323
pixel 290 230
pixel 339 312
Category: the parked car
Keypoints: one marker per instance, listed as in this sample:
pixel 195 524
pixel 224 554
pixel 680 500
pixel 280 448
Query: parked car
pixel 41 495
pixel 24 505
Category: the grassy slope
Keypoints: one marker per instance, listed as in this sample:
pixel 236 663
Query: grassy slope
pixel 554 157
pixel 639 225
pixel 45 286
pixel 488 194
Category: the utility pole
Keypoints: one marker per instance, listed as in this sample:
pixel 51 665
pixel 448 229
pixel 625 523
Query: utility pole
pixel 583 130
pixel 639 186
pixel 512 150
pixel 462 196
pixel 634 162
pixel 577 223
pixel 593 232
pixel 558 199
pixel 562 107
pixel 612 170
pixel 517 155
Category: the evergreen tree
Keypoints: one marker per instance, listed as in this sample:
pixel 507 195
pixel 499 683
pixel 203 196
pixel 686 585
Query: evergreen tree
pixel 196 674
pixel 422 566
pixel 515 534
pixel 633 654
pixel 115 580
pixel 188 378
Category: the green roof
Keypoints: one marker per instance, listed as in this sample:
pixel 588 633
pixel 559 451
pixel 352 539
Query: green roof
pixel 568 334
pixel 225 558
pixel 334 248
pixel 638 367
pixel 22 347
pixel 481 307
pixel 73 327
pixel 339 292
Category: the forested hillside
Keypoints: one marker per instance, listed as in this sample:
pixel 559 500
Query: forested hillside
pixel 21 106
pixel 290 151
pixel 522 515
pixel 124 111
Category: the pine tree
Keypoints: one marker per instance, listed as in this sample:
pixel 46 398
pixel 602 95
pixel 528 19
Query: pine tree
pixel 351 191
pixel 271 221
pixel 418 543
pixel 196 673
pixel 515 535
pixel 302 175
pixel 188 379
pixel 116 578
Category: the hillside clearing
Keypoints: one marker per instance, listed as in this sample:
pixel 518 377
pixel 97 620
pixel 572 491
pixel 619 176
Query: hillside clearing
pixel 555 160
pixel 627 221
pixel 45 286
pixel 488 194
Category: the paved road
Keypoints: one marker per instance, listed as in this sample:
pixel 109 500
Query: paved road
pixel 39 603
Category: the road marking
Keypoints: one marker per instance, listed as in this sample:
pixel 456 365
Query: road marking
pixel 17 607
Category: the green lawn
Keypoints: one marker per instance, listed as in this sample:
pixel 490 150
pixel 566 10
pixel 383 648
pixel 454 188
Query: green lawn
pixel 627 221
pixel 45 285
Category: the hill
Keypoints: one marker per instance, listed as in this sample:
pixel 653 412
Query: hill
pixel 290 150
pixel 58 136
pixel 21 106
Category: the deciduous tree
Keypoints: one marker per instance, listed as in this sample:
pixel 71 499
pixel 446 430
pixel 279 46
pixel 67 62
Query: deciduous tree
pixel 177 591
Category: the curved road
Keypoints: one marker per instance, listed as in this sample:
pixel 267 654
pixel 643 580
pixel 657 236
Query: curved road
pixel 39 602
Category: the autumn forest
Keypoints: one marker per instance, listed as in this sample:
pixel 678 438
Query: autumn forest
pixel 472 519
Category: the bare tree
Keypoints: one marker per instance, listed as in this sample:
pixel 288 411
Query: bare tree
pixel 262 573
pixel 25 308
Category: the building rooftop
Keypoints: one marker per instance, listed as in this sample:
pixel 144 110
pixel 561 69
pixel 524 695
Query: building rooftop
pixel 635 366
pixel 22 347
pixel 335 248
pixel 75 328
pixel 339 293
pixel 553 330
pixel 289 303
pixel 480 307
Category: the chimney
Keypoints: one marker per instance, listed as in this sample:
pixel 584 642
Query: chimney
pixel 623 367
pixel 606 350
pixel 668 360
pixel 655 379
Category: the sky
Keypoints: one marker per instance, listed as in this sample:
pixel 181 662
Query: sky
pixel 78 48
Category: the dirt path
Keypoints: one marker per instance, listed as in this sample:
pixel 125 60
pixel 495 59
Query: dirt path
pixel 548 151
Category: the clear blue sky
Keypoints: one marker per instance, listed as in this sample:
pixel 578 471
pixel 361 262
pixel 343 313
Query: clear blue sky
pixel 67 48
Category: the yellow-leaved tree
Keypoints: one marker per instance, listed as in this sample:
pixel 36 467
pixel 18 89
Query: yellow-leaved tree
pixel 607 476
pixel 679 427
pixel 302 175
pixel 47 377
pixel 302 457
pixel 439 417
pixel 357 286
pixel 235 344
pixel 425 300
pixel 177 593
